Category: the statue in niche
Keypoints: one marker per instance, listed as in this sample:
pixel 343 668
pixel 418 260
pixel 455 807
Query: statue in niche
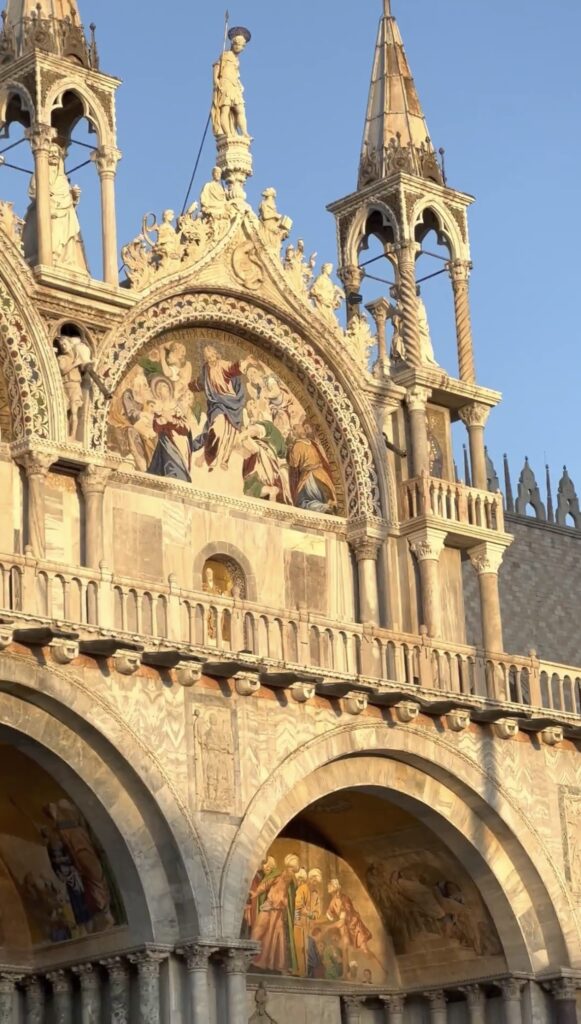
pixel 67 244
pixel 73 359
pixel 228 107
pixel 300 272
pixel 275 227
pixel 326 295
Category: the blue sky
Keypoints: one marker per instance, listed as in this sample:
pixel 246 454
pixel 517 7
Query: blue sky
pixel 501 88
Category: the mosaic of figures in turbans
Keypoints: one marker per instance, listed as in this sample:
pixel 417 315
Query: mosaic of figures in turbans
pixel 56 883
pixel 206 408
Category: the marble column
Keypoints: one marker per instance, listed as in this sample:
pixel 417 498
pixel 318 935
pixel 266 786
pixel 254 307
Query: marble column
pixel 438 1009
pixel 474 416
pixel 487 559
pixel 394 1008
pixel 408 295
pixel 564 993
pixel 460 276
pixel 36 466
pixel 197 956
pixel 237 961
pixel 90 979
pixel 511 990
pixel 8 981
pixel 106 159
pixel 427 546
pixel 381 311
pixel 118 988
pixel 62 996
pixel 366 551
pixel 353 1006
pixel 416 401
pixel 41 137
pixel 148 964
pixel 93 481
pixel 476 1002
pixel 34 1000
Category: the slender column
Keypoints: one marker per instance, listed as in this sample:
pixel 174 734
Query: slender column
pixel 353 1006
pixel 437 1003
pixel 460 276
pixel 106 159
pixel 237 961
pixel 8 980
pixel 394 1008
pixel 476 1000
pixel 62 997
pixel 36 466
pixel 408 292
pixel 381 311
pixel 118 988
pixel 34 1000
pixel 40 137
pixel 148 963
pixel 511 990
pixel 90 979
pixel 487 559
pixel 93 481
pixel 475 416
pixel 351 276
pixel 366 551
pixel 565 996
pixel 196 957
pixel 427 546
pixel 416 401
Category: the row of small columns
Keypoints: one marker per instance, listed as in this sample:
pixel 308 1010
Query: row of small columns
pixel 106 158
pixel 235 961
pixel 563 992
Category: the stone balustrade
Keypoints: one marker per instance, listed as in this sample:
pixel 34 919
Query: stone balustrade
pixel 87 601
pixel 453 502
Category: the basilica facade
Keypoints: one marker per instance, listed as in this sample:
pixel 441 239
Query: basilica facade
pixel 281 739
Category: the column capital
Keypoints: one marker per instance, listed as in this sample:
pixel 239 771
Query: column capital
pixel 394 1003
pixel 60 980
pixel 239 959
pixel 366 537
pixel 197 955
pixel 487 557
pixel 36 463
pixel 94 479
pixel 511 988
pixel 475 995
pixel 427 544
pixel 353 1002
pixel 41 137
pixel 116 966
pixel 9 980
pixel 417 398
pixel 381 310
pixel 475 414
pixel 437 999
pixel 565 989
pixel 106 159
pixel 351 276
pixel 88 974
pixel 407 247
pixel 460 270
pixel 148 961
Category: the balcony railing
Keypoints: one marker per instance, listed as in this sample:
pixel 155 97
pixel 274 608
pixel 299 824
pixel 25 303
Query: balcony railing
pixel 454 502
pixel 159 614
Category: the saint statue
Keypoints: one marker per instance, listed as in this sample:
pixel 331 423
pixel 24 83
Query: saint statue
pixel 67 244
pixel 228 108
pixel 275 227
pixel 426 347
pixel 326 295
pixel 214 198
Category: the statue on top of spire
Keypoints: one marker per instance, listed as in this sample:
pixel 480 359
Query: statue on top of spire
pixel 228 107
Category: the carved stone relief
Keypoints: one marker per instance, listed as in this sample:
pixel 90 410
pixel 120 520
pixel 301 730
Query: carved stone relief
pixel 215 759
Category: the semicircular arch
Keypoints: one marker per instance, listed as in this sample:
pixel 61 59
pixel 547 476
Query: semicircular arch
pixel 491 838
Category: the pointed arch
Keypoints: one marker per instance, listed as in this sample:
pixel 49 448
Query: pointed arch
pixel 93 109
pixel 447 225
pixel 356 231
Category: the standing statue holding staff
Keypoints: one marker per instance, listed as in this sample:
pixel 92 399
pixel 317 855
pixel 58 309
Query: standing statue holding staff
pixel 228 108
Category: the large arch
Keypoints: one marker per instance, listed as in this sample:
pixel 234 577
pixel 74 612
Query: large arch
pixel 127 787
pixel 349 421
pixel 455 797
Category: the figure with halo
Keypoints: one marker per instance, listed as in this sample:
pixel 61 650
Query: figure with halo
pixel 228 107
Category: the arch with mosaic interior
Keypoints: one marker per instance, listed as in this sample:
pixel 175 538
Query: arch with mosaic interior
pixel 487 833
pixel 348 418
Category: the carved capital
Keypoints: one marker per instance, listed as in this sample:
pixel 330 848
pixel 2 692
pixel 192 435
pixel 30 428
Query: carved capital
pixel 486 558
pixel 395 1003
pixel 197 956
pixel 247 683
pixel 116 967
pixel 427 545
pixel 437 999
pixel 565 989
pixel 94 479
pixel 60 981
pixel 149 961
pixel 475 414
pixel 366 537
pixel 36 464
pixel 506 728
pixel 407 251
pixel 351 276
pixel 8 981
pixel 238 961
pixel 106 159
pixel 355 702
pixel 353 1002
pixel 458 719
pixel 89 976
pixel 511 989
pixel 417 398
pixel 381 310
pixel 459 270
pixel 41 137
pixel 475 995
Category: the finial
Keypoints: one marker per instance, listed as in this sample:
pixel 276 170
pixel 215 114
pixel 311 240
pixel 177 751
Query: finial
pixel 508 486
pixel 387 9
pixel 550 508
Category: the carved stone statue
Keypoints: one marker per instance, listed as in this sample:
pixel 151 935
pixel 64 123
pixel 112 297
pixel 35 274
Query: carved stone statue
pixel 137 262
pixel 228 108
pixel 74 356
pixel 275 227
pixel 300 273
pixel 166 241
pixel 397 342
pixel 326 295
pixel 426 347
pixel 214 198
pixel 67 244
pixel 10 223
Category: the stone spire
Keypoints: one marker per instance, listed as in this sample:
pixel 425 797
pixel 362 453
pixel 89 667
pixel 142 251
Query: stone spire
pixel 50 25
pixel 396 136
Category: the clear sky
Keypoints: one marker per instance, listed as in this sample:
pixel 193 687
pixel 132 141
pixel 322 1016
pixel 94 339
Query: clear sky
pixel 500 83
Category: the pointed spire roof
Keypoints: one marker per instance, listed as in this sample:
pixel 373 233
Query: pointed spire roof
pixel 396 135
pixel 50 25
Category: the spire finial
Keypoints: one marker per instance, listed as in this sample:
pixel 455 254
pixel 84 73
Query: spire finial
pixel 387 8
